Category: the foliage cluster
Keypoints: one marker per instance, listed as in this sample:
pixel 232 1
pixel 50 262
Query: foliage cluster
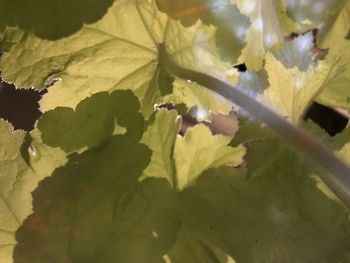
pixel 105 175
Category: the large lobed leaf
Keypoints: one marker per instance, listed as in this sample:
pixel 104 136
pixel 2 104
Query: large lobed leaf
pixel 120 51
pixel 291 91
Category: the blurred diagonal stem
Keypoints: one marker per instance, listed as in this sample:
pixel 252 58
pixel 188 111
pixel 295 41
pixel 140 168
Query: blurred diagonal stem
pixel 336 173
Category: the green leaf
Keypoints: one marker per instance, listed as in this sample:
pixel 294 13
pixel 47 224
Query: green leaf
pixel 194 95
pixel 181 160
pixel 337 93
pixel 160 137
pixel 99 57
pixel 93 121
pixel 337 31
pixel 106 203
pixel 91 126
pixel 313 13
pixel 249 131
pixel 297 52
pixel 232 28
pixel 45 18
pixel 190 247
pixel 11 210
pixel 199 150
pixel 291 91
pixel 18 178
pixel 253 83
pixel 281 216
pixel 264 33
pixel 111 54
pixel 195 48
pixel 79 209
pixel 257 139
pixel 220 13
pixel 135 191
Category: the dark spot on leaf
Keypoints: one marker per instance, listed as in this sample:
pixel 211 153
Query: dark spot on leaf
pixel 26 147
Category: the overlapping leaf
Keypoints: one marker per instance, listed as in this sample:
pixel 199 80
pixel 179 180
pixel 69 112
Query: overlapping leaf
pixel 22 170
pixel 266 30
pixel 178 158
pixel 297 52
pixel 339 29
pixel 291 91
pixel 190 247
pixel 220 13
pixel 109 55
pixel 194 95
pixel 23 164
pixel 337 93
pixel 103 204
pixel 281 216
pixel 312 14
pixel 45 18
pixel 76 209
pixel 103 56
pixel 160 137
pixel 93 121
pixel 199 151
pixel 283 213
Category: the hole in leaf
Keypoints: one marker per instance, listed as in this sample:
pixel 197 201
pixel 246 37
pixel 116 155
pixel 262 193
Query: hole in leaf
pixel 241 67
pixel 19 106
pixel 328 119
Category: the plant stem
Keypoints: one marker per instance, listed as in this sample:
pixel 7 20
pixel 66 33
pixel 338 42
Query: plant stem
pixel 337 173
